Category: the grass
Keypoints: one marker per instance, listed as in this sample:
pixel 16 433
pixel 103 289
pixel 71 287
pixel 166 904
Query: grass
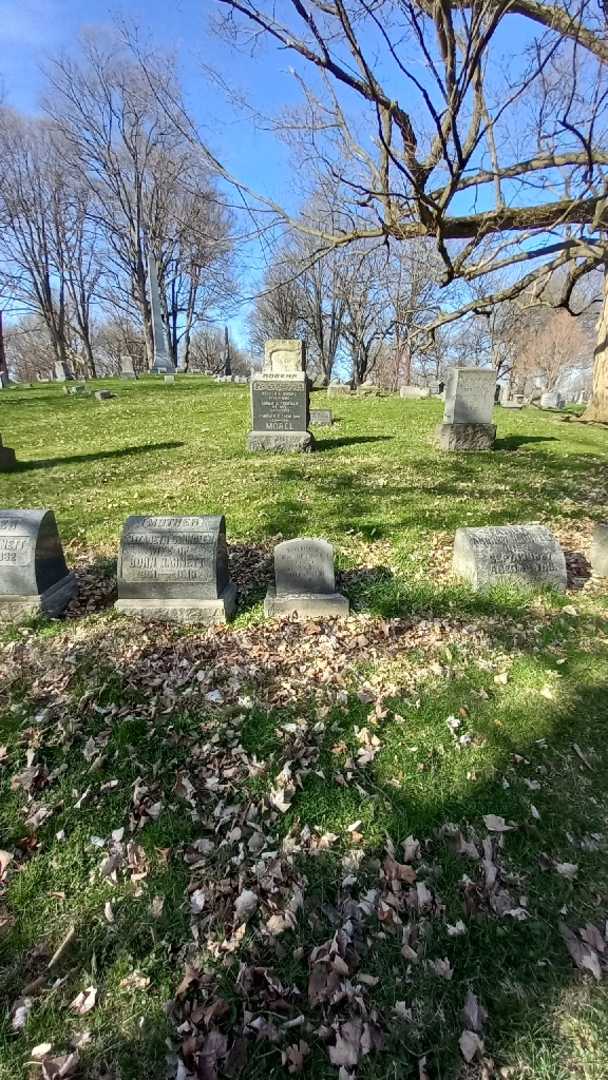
pixel 523 673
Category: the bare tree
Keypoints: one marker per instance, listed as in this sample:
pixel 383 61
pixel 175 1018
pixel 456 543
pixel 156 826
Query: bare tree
pixel 503 165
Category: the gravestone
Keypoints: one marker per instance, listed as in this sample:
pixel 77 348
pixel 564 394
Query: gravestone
pixel 280 400
pixel 338 389
pixel 413 393
pixel 104 395
pixel 4 380
pixel 552 399
pixel 520 554
pixel 321 418
pixel 78 390
pixel 599 550
pixel 163 360
pixel 33 575
pixel 467 416
pixel 127 367
pixel 7 458
pixel 175 569
pixel 305 582
pixel 369 389
pixel 169 379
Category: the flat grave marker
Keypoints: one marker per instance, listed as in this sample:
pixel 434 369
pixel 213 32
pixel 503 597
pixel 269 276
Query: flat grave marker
pixel 520 554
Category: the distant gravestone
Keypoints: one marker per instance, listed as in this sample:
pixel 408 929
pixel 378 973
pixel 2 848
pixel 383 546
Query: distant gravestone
pixel 169 379
pixel 467 417
pixel 175 569
pixel 34 577
pixel 305 582
pixel 78 390
pixel 413 393
pixel 520 554
pixel 337 389
pixel 599 550
pixel 7 458
pixel 60 372
pixel 104 395
pixel 321 418
pixel 163 360
pixel 552 399
pixel 4 380
pixel 280 400
pixel 127 367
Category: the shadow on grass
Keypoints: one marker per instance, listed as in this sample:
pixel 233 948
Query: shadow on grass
pixel 99 455
pixel 513 442
pixel 322 444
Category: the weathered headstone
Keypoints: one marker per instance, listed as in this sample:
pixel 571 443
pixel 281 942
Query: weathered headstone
pixel 4 380
pixel 467 417
pixel 305 582
pixel 599 550
pixel 280 400
pixel 552 399
pixel 338 389
pixel 104 395
pixel 169 379
pixel 127 367
pixel 175 569
pixel 321 418
pixel 413 393
pixel 7 458
pixel 33 574
pixel 520 554
pixel 163 360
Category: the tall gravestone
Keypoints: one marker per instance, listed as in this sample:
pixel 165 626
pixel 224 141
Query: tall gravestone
pixel 467 417
pixel 7 458
pixel 175 569
pixel 305 582
pixel 127 367
pixel 34 577
pixel 280 400
pixel 163 360
pixel 519 554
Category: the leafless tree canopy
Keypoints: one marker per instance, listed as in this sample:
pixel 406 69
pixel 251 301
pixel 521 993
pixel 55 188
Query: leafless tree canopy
pixel 481 125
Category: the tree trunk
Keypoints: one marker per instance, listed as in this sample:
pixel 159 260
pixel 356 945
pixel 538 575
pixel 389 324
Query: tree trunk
pixel 597 408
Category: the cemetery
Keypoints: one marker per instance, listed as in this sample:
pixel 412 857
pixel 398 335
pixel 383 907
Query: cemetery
pixel 214 652
pixel 304 542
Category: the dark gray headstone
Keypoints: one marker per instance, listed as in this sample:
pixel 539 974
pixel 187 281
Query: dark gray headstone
pixel 467 417
pixel 104 395
pixel 305 581
pixel 280 415
pixel 33 573
pixel 599 550
pixel 175 569
pixel 7 458
pixel 321 417
pixel 521 554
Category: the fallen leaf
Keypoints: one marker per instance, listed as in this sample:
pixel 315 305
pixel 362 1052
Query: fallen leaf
pixel 84 1001
pixel 495 823
pixel 470 1045
pixel 245 906
pixel 567 870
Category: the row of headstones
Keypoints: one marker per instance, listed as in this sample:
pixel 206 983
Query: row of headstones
pixel 175 569
pixel 280 404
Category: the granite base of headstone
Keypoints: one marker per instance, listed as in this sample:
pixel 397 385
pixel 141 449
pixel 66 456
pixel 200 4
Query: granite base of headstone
pixel 414 393
pixel 8 460
pixel 515 554
pixel 599 550
pixel 305 583
pixel 280 401
pixel 467 417
pixel 34 578
pixel 338 390
pixel 175 569
pixel 321 418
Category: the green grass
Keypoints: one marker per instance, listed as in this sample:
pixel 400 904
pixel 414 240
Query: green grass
pixel 525 673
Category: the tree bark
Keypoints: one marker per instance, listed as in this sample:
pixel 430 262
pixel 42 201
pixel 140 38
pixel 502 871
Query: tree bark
pixel 597 408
